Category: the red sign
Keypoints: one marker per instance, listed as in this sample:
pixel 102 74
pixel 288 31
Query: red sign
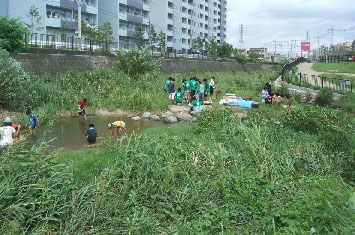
pixel 305 46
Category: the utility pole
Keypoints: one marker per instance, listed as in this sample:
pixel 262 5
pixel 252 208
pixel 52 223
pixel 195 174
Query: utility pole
pixel 80 4
pixel 241 39
pixel 331 30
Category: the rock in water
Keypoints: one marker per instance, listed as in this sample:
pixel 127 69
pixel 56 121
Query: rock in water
pixel 154 118
pixel 184 116
pixel 146 115
pixel 167 114
pixel 170 119
pixel 136 118
pixel 131 115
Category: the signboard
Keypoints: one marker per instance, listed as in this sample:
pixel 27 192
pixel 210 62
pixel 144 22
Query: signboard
pixel 305 46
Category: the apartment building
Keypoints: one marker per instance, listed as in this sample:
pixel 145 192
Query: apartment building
pixel 185 20
pixel 56 14
pixel 125 17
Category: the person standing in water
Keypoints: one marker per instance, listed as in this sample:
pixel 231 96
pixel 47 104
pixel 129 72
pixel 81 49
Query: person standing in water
pixel 119 125
pixel 33 122
pixel 81 110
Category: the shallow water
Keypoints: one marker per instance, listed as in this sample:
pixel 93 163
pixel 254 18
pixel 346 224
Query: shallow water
pixel 69 133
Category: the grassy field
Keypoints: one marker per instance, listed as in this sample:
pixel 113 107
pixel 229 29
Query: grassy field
pixel 289 175
pixel 342 67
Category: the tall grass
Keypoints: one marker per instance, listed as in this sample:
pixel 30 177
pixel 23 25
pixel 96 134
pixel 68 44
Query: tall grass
pixel 218 176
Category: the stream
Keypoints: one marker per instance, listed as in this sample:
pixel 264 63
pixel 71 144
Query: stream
pixel 69 133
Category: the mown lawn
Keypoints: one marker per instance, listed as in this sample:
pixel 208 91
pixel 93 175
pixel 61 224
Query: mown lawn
pixel 343 67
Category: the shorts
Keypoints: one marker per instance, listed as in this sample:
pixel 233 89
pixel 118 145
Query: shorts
pixel 211 91
pixel 205 94
pixel 82 112
pixel 91 142
pixel 172 95
pixel 33 127
pixel 187 94
pixel 193 93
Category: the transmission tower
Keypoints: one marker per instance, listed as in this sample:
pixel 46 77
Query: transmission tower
pixel 241 39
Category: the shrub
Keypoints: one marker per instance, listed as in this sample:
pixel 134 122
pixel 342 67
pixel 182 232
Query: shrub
pixel 308 97
pixel 12 33
pixel 13 83
pixel 346 102
pixel 136 62
pixel 324 97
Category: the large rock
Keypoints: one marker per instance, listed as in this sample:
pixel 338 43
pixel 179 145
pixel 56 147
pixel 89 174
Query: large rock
pixel 176 108
pixel 154 118
pixel 170 119
pixel 184 116
pixel 146 115
pixel 167 114
pixel 131 115
pixel 136 118
pixel 242 115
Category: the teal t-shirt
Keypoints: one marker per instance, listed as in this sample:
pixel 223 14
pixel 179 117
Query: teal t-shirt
pixel 179 97
pixel 186 86
pixel 207 87
pixel 166 87
pixel 192 85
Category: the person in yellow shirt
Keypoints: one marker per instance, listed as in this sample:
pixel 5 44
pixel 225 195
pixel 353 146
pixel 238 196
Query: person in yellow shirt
pixel 118 125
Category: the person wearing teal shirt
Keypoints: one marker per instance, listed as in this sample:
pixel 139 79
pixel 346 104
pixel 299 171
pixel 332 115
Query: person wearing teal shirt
pixel 207 89
pixel 192 88
pixel 178 97
pixel 196 105
pixel 166 87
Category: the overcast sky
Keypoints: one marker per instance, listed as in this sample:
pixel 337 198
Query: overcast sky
pixel 266 21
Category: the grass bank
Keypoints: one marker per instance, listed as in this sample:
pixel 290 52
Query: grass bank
pixel 342 67
pixel 289 174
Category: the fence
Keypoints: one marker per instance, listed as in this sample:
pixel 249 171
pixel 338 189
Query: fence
pixel 70 43
pixel 337 59
pixel 318 82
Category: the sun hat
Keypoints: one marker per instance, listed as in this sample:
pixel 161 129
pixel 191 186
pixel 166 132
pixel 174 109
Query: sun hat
pixel 109 125
pixel 7 120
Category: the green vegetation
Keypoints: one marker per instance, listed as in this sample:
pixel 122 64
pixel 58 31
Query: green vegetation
pixel 346 102
pixel 219 175
pixel 13 82
pixel 342 67
pixel 324 97
pixel 12 34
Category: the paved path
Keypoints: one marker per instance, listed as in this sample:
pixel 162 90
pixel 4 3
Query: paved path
pixel 307 72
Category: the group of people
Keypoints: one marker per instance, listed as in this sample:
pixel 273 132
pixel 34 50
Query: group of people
pixel 9 130
pixel 275 98
pixel 196 92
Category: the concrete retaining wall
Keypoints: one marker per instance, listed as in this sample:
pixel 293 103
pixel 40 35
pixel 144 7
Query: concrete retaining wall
pixel 46 61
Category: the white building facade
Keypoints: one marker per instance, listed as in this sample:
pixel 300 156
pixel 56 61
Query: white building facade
pixel 58 16
pixel 125 17
pixel 185 20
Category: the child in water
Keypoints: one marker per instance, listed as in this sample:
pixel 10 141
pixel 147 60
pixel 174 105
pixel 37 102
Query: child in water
pixel 91 134
pixel 33 122
pixel 119 125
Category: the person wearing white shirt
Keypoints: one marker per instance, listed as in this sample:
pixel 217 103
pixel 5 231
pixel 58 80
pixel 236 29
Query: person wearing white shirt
pixel 7 132
pixel 212 87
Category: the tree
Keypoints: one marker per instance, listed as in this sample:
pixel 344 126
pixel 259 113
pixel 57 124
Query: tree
pixel 12 33
pixel 136 61
pixel 91 32
pixel 254 56
pixel 63 29
pixel 105 32
pixel 140 37
pixel 212 47
pixel 225 50
pixel 35 20
pixel 198 44
pixel 153 37
pixel 162 42
pixel 241 58
pixel 14 84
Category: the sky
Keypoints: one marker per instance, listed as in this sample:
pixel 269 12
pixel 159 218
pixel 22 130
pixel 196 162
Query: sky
pixel 267 21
